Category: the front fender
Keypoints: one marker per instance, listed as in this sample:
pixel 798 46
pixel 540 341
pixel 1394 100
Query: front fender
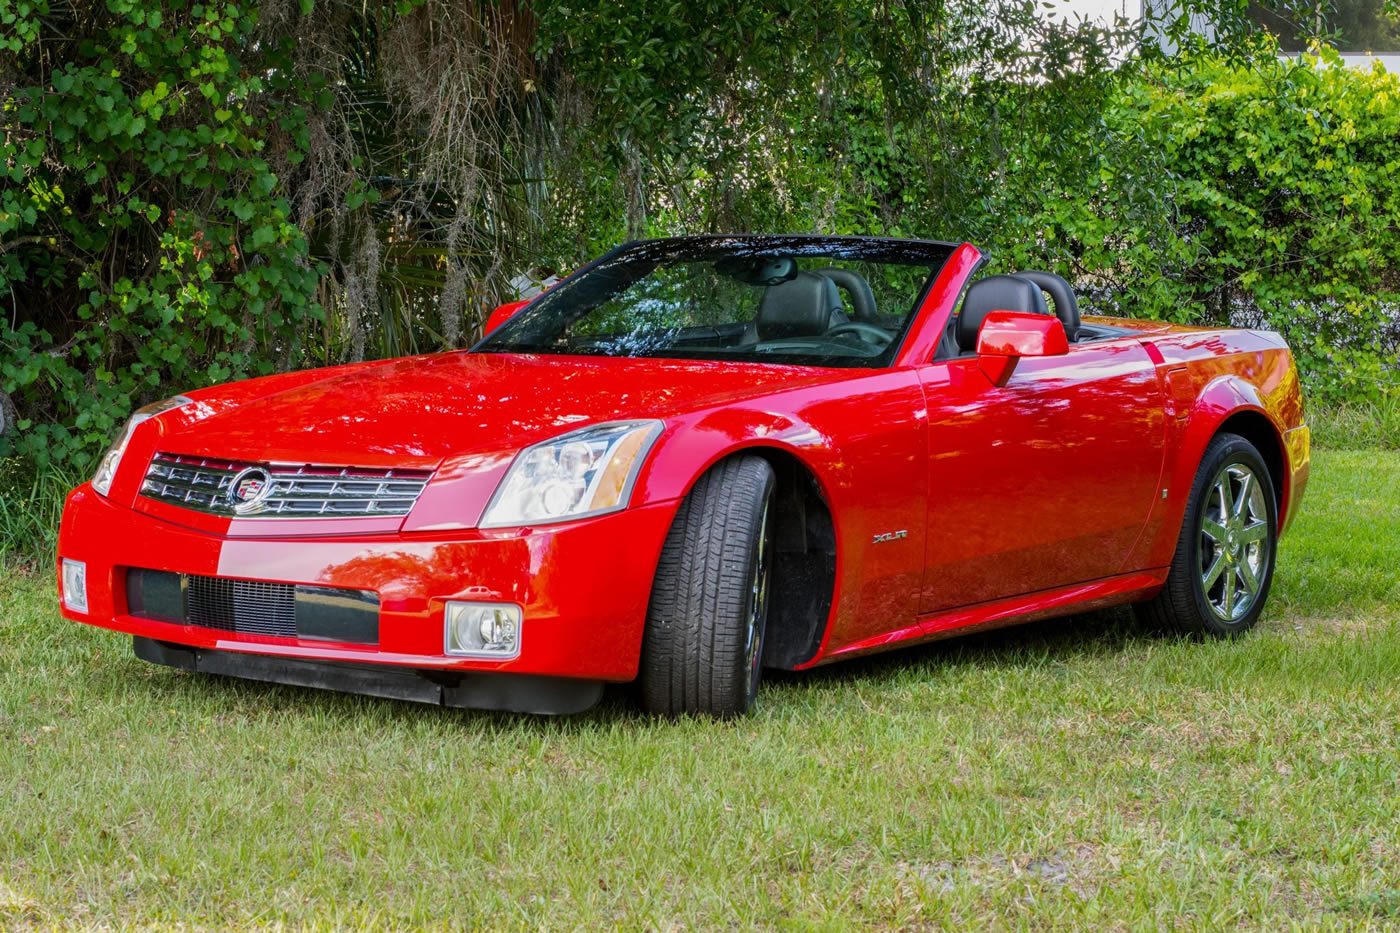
pixel 687 450
pixel 864 443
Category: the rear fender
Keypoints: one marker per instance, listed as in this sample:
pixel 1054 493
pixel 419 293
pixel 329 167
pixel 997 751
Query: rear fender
pixel 1221 399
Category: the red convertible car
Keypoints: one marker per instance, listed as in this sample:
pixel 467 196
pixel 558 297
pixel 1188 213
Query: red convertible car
pixel 691 460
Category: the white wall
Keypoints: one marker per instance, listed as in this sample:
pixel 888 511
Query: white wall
pixel 1390 61
pixel 1104 10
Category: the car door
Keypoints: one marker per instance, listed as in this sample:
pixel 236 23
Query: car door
pixel 1043 482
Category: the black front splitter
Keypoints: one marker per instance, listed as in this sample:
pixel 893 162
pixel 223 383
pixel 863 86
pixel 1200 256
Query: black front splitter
pixel 517 693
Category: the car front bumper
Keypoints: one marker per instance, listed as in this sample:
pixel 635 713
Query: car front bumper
pixel 583 588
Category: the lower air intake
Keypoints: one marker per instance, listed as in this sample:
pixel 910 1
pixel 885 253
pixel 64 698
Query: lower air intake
pixel 244 606
pixel 252 607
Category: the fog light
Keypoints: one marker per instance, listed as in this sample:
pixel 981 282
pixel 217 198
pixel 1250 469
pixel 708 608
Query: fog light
pixel 75 585
pixel 482 630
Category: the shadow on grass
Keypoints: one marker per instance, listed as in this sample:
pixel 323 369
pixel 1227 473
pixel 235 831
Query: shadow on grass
pixel 1105 634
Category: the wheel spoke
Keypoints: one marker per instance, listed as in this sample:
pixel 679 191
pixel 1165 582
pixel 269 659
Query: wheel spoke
pixel 1237 541
pixel 1211 575
pixel 1213 530
pixel 1241 503
pixel 1256 532
pixel 1247 575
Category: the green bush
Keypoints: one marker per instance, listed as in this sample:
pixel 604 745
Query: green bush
pixel 1280 190
pixel 144 240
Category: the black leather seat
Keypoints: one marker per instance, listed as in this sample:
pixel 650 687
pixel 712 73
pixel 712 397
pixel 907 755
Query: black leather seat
pixel 996 293
pixel 805 306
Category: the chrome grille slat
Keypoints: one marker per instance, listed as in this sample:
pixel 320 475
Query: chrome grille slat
pixel 203 487
pixel 281 489
pixel 296 490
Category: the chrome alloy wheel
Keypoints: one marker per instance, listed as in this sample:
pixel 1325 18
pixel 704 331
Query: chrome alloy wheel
pixel 1235 545
pixel 758 607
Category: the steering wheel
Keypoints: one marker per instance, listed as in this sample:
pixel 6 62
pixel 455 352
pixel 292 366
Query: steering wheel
pixel 868 333
pixel 854 285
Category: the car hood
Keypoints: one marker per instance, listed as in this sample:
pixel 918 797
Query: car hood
pixel 420 411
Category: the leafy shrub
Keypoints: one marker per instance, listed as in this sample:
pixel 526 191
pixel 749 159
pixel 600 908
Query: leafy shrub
pixel 145 241
pixel 1279 182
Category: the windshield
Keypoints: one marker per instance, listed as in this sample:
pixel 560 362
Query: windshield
pixel 815 301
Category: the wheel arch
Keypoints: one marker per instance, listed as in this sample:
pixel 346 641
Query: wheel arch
pixel 806 568
pixel 1227 404
pixel 1231 404
pixel 1255 427
pixel 1184 604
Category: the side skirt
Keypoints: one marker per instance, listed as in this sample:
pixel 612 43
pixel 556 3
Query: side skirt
pixel 517 693
pixel 998 613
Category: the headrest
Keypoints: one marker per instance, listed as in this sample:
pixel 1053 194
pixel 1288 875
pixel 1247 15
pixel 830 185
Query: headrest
pixel 800 307
pixel 1066 305
pixel 996 293
pixel 854 284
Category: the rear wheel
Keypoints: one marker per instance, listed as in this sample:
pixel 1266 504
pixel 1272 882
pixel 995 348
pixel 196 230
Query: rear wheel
pixel 703 647
pixel 1224 562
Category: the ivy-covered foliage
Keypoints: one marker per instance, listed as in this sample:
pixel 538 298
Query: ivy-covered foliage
pixel 144 241
pixel 1283 183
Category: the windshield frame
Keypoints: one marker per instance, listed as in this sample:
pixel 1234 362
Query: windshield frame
pixel 933 254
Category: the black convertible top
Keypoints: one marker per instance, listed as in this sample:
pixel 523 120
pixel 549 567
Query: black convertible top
pixel 877 248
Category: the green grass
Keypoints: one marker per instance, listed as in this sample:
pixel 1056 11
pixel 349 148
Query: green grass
pixel 1078 773
pixel 31 505
pixel 1358 425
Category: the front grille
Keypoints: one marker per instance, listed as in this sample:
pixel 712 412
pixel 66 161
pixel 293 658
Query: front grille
pixel 253 607
pixel 206 484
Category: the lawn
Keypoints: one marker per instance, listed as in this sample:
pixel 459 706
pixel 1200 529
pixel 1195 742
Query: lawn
pixel 1070 774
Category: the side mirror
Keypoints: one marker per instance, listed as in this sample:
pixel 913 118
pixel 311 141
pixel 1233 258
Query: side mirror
pixel 1006 336
pixel 502 314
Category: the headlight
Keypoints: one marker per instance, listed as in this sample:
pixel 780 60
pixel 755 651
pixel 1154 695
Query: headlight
pixel 107 467
pixel 584 472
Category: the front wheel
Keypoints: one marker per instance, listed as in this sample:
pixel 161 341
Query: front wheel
pixel 703 645
pixel 1224 562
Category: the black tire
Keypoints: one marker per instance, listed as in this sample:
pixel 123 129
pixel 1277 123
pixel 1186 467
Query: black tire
pixel 1193 602
pixel 700 652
